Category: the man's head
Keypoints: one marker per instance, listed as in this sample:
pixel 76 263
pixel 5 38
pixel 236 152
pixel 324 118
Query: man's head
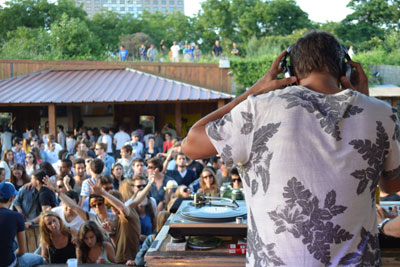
pixel 216 162
pixel 60 128
pixel 122 47
pixel 174 43
pixel 83 146
pixel 135 137
pixel 103 130
pixel 217 43
pixel 75 197
pixel 138 183
pixel 65 167
pixel 37 178
pixel 100 149
pixel 7 193
pixel 97 166
pixel 96 202
pixel 317 52
pixel 126 151
pixel 106 182
pixel 180 160
pixel 17 142
pixel 138 166
pixel 154 165
pixel 79 167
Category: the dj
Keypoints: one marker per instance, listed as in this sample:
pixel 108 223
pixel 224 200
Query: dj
pixel 310 157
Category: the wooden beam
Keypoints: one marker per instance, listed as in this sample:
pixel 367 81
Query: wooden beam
pixel 178 119
pixel 70 117
pixel 52 119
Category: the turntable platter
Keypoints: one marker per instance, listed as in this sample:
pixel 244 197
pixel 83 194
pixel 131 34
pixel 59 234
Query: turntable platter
pixel 219 212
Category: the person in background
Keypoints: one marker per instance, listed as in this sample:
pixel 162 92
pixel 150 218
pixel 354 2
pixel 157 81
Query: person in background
pixel 117 175
pixel 2 175
pixel 137 146
pixel 91 247
pixel 36 151
pixel 175 52
pixel 6 139
pixel 120 139
pixel 142 53
pixel 197 53
pixel 31 163
pixel 182 193
pixel 216 50
pixel 18 176
pixel 96 167
pixel 155 169
pixel 236 181
pixel 7 162
pixel 70 143
pixel 61 137
pixel 67 215
pixel 123 53
pixel 151 151
pixel 19 154
pixel 138 167
pixel 126 161
pixel 13 232
pixel 182 175
pixel 208 183
pixel 167 143
pixel 56 240
pixel 351 51
pixel 105 157
pixel 152 53
pixel 106 139
pixel 80 170
pixel 235 50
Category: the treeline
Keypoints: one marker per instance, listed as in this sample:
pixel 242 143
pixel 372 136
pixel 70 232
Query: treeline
pixel 37 29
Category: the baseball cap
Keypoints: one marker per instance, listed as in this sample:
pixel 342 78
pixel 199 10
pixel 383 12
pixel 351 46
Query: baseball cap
pixel 171 184
pixel 7 190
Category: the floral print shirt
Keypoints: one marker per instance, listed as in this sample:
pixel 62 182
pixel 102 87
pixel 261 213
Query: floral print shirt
pixel 310 164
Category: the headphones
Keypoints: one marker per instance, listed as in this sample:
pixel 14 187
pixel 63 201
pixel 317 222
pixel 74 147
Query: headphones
pixel 288 69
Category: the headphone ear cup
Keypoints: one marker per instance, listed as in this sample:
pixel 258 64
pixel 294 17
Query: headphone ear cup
pixel 290 71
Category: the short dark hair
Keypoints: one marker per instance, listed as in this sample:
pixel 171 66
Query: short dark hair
pixel 61 153
pixel 127 148
pixel 68 162
pixel 39 175
pixel 61 127
pixel 157 162
pixel 180 154
pixel 106 179
pixel 16 140
pixel 79 161
pixel 317 51
pixel 73 195
pixel 104 129
pixel 234 171
pixel 97 166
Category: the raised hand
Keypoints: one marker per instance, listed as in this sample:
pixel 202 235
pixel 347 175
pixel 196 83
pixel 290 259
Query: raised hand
pixel 95 186
pixel 50 184
pixel 359 80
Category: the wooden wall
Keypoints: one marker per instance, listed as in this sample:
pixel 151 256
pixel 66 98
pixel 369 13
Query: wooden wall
pixel 204 75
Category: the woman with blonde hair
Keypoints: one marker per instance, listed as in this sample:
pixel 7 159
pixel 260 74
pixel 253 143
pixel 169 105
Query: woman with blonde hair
pixel 208 183
pixel 56 239
pixel 7 162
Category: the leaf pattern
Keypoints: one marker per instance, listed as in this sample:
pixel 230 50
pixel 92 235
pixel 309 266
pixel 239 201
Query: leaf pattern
pixel 304 218
pixel 260 158
pixel 368 253
pixel 226 155
pixel 212 127
pixel 375 155
pixel 263 254
pixel 395 119
pixel 328 109
pixel 248 123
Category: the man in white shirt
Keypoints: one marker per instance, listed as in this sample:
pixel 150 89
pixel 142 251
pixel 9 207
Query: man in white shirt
pixel 106 139
pixel 120 139
pixel 69 217
pixel 175 52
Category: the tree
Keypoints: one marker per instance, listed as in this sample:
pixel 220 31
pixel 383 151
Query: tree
pixel 282 17
pixel 107 27
pixel 72 39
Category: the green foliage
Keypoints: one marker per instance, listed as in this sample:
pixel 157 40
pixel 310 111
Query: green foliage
pixel 72 39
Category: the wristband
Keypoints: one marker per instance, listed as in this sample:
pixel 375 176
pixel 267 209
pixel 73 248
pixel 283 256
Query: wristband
pixel 382 224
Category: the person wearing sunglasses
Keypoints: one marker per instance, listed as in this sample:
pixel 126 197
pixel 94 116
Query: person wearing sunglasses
pixel 236 181
pixel 208 183
pixel 154 170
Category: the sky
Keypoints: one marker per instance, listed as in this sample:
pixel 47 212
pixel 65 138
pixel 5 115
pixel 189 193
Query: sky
pixel 318 10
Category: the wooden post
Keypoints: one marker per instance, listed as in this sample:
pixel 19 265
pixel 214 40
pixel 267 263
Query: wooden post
pixel 394 102
pixel 52 119
pixel 178 119
pixel 221 103
pixel 70 116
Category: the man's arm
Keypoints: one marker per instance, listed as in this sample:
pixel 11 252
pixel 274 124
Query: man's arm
pixel 142 194
pixel 21 243
pixel 389 186
pixel 197 145
pixel 66 200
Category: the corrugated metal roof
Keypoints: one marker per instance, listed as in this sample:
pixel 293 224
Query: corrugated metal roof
pixel 386 90
pixel 88 86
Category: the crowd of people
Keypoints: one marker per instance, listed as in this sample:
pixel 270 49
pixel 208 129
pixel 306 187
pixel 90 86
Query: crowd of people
pixel 87 192
pixel 176 53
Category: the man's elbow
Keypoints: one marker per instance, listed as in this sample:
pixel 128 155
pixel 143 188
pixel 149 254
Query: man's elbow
pixel 389 186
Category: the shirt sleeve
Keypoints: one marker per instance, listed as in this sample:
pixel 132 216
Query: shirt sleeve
pixel 20 222
pixel 232 135
pixel 85 190
pixel 392 163
pixel 46 199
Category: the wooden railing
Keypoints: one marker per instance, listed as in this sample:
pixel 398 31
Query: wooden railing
pixel 200 74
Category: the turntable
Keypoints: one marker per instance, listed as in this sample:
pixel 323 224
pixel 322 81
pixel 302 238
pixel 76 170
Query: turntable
pixel 209 216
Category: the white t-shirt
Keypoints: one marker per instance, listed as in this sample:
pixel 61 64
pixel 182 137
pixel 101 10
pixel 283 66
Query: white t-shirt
pixel 75 223
pixel 310 164
pixel 121 138
pixel 107 140
pixel 175 50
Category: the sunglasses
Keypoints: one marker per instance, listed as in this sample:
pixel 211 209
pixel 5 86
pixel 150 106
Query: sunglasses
pixel 60 186
pixel 96 205
pixel 150 167
pixel 239 180
pixel 140 187
pixel 208 176
pixel 108 188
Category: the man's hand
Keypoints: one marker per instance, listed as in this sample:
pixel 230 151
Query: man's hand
pixel 383 214
pixel 96 187
pixel 359 80
pixel 28 186
pixel 28 224
pixel 270 80
pixel 50 184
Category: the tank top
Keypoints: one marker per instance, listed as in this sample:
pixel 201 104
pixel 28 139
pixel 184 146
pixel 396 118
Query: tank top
pixel 63 254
